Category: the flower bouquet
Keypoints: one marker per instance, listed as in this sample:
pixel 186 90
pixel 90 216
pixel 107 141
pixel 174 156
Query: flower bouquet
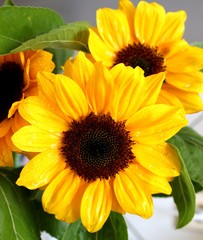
pixel 93 120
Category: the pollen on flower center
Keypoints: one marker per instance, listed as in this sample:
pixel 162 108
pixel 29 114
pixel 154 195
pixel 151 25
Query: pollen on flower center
pixel 143 56
pixel 11 81
pixel 97 147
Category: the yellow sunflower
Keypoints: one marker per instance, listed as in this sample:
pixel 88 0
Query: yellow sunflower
pixel 18 81
pixel 148 37
pixel 100 139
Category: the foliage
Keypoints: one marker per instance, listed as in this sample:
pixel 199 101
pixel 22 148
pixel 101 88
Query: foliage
pixel 22 217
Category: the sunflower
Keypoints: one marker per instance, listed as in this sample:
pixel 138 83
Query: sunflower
pixel 148 37
pixel 18 80
pixel 101 142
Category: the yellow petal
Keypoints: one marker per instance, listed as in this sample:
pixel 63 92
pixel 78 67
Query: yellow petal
pixel 99 50
pixel 14 108
pixel 70 98
pixel 156 123
pixel 153 84
pixel 174 27
pixel 41 169
pixel 60 192
pixel 126 96
pixel 116 207
pixel 95 208
pixel 43 114
pixel 149 21
pixel 168 98
pixel 72 211
pixel 74 69
pixel 132 194
pixel 129 10
pixel 191 82
pixel 99 89
pixel 191 101
pixel 184 58
pixel 46 85
pixel 32 139
pixel 155 183
pixel 110 21
pixel 160 159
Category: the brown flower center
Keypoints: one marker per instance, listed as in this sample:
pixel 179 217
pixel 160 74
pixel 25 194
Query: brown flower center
pixel 97 147
pixel 146 57
pixel 11 82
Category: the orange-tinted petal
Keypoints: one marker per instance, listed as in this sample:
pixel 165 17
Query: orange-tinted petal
pixel 6 157
pixel 18 122
pixel 4 127
pixel 40 61
pixel 10 143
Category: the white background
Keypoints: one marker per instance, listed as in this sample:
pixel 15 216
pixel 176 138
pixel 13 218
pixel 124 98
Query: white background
pixel 162 225
pixel 79 10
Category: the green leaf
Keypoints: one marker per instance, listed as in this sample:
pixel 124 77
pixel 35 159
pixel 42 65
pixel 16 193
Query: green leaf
pixel 9 3
pixel 184 196
pixel 19 24
pixel 114 229
pixel 197 44
pixel 17 218
pixel 60 56
pixel 48 222
pixel 190 145
pixel 71 36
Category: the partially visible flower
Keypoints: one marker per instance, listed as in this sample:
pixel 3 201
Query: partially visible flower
pixel 17 81
pixel 101 142
pixel 148 37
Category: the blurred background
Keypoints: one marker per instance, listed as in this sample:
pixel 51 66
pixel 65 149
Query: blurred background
pixel 79 10
pixel 162 225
